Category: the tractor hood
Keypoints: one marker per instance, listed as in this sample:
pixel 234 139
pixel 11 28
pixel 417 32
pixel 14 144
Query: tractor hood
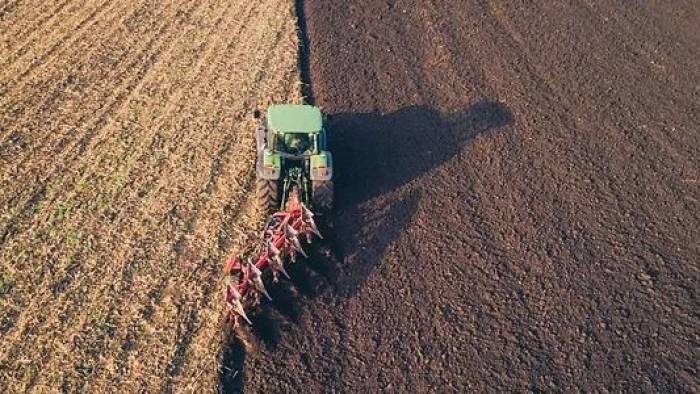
pixel 293 118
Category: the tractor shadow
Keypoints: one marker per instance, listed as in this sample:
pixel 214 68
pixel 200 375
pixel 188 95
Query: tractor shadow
pixel 380 159
pixel 377 158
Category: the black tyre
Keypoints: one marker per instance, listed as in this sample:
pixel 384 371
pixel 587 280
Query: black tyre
pixel 323 196
pixel 267 194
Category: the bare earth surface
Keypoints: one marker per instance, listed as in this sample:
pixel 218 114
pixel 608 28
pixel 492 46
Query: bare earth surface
pixel 518 201
pixel 126 164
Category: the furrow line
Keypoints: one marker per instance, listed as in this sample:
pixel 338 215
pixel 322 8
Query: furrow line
pixel 31 27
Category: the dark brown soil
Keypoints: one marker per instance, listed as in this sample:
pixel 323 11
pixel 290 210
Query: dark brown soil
pixel 517 201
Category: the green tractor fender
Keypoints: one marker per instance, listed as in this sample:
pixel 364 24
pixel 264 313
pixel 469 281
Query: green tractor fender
pixel 321 166
pixel 268 165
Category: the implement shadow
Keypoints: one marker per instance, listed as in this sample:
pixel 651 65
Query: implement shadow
pixel 376 158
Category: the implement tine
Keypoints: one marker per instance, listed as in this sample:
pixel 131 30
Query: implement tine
pixel 233 297
pixel 255 277
pixel 281 240
pixel 292 236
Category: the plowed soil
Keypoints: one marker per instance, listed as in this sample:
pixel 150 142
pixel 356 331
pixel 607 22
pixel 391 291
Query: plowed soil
pixel 126 162
pixel 517 201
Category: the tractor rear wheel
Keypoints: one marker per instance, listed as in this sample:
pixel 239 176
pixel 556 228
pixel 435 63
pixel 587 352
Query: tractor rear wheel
pixel 323 195
pixel 267 195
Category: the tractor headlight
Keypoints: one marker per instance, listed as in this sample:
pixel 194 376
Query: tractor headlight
pixel 270 171
pixel 321 172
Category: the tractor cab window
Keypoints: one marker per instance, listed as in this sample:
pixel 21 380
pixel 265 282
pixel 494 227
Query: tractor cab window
pixel 294 143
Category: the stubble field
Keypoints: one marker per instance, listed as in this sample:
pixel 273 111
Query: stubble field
pixel 125 180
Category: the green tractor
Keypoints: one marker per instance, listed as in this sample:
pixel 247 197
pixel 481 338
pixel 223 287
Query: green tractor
pixel 293 161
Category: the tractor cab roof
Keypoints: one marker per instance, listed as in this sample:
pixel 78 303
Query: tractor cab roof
pixel 294 118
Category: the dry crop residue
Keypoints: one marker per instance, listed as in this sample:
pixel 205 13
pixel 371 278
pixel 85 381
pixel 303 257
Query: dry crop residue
pixel 125 179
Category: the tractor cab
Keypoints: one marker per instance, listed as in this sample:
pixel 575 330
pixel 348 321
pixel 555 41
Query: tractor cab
pixel 294 130
pixel 296 144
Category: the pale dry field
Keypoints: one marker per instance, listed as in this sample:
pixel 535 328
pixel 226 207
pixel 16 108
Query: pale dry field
pixel 126 166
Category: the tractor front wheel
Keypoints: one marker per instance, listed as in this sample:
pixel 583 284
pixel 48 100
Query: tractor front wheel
pixel 267 195
pixel 323 196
